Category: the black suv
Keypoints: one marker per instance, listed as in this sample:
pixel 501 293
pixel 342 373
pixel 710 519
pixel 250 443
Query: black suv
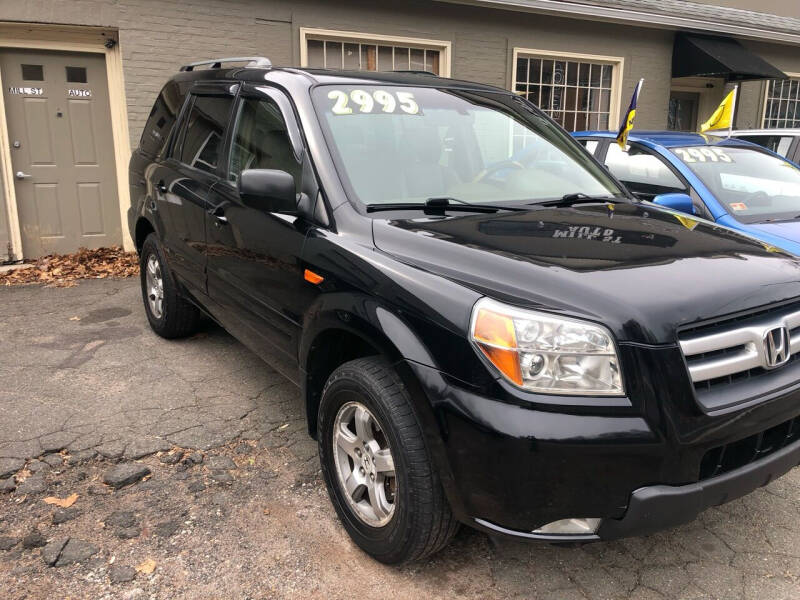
pixel 485 327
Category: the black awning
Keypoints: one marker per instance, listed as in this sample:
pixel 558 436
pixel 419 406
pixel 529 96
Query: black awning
pixel 713 56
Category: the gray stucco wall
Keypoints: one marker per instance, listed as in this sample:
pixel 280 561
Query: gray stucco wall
pixel 784 57
pixel 157 36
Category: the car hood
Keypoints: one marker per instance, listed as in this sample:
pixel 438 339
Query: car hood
pixel 786 230
pixel 642 271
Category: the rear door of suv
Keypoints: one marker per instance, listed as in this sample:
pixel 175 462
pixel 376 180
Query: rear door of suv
pixel 183 181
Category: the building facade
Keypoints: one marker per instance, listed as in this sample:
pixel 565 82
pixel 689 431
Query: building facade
pixel 79 77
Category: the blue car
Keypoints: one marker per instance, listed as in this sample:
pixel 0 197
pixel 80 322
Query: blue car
pixel 733 182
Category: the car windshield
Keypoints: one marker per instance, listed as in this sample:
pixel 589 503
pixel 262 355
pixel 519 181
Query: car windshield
pixel 395 144
pixel 754 186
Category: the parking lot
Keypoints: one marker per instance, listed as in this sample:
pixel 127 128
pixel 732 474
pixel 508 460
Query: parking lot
pixel 233 505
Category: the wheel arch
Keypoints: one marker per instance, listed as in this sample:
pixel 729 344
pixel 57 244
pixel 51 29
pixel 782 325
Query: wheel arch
pixel 338 333
pixel 375 330
pixel 142 229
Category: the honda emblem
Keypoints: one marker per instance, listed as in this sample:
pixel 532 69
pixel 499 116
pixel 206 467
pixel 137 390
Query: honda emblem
pixel 776 347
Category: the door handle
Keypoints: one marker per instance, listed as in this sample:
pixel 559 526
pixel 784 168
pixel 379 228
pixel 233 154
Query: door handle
pixel 218 212
pixel 21 175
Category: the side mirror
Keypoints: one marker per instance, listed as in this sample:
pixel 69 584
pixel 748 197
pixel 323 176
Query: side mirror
pixel 678 201
pixel 269 190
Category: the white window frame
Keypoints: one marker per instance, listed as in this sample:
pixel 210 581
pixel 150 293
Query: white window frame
pixel 444 47
pixel 617 64
pixel 766 99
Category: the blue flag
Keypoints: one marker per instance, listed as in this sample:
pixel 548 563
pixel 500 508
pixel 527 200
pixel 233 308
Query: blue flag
pixel 627 122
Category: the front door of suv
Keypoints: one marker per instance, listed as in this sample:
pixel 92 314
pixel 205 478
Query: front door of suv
pixel 255 277
pixel 183 182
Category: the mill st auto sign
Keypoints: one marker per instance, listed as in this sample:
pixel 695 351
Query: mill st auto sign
pixel 26 91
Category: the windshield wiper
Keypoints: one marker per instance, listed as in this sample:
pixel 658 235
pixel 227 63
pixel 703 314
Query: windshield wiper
pixel 437 205
pixel 581 198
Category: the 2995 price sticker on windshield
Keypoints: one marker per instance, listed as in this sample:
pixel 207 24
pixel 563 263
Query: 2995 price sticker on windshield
pixel 702 154
pixel 360 101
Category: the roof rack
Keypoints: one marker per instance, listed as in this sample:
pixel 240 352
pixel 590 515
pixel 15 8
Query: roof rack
pixel 216 63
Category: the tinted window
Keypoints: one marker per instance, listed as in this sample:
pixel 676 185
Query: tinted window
pixel 776 143
pixel 590 145
pixel 645 174
pixel 260 140
pixel 205 129
pixel 161 120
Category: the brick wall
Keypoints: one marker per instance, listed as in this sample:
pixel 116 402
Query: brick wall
pixel 156 37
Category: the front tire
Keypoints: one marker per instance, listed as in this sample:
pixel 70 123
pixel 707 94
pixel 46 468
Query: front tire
pixel 169 314
pixel 376 466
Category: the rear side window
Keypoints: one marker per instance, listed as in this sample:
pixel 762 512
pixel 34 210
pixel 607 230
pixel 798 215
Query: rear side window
pixel 777 143
pixel 643 173
pixel 590 145
pixel 161 120
pixel 204 132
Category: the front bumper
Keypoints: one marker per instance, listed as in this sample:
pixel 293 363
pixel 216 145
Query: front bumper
pixel 511 467
pixel 661 506
pixel 658 507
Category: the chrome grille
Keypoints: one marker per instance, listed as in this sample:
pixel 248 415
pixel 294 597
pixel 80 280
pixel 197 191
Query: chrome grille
pixel 738 346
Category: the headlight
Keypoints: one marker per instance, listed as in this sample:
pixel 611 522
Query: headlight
pixel 544 353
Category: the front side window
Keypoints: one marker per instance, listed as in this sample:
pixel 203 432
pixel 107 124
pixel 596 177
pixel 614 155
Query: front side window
pixel 407 144
pixel 754 186
pixel 260 140
pixel 204 132
pixel 782 107
pixel 575 93
pixel 644 173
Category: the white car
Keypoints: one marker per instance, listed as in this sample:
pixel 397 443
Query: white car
pixel 785 142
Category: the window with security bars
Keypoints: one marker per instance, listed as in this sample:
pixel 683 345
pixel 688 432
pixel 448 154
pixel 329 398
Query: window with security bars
pixel 577 94
pixel 782 107
pixel 367 56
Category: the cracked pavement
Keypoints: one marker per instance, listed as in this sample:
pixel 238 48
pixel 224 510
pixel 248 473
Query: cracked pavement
pixel 86 385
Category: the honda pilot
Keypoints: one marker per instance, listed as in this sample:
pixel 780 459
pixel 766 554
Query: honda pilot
pixel 518 345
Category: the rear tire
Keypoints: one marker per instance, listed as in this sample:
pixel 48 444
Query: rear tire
pixel 413 518
pixel 169 314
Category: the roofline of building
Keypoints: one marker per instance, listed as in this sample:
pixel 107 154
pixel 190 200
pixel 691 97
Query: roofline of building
pixel 577 10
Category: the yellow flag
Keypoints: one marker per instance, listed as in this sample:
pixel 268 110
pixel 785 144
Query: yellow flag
pixel 723 116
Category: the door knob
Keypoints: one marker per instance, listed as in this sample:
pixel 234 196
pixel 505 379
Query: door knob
pixel 21 175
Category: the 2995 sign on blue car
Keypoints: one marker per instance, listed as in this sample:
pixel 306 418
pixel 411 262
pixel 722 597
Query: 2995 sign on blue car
pixel 731 181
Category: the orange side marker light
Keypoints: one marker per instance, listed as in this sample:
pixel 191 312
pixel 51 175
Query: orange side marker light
pixel 313 277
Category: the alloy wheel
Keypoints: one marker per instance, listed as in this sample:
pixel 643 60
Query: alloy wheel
pixel 364 464
pixel 155 286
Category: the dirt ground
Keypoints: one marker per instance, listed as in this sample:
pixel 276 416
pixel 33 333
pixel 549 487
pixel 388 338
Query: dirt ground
pixel 226 501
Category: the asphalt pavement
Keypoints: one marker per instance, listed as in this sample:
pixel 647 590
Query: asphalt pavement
pixel 195 478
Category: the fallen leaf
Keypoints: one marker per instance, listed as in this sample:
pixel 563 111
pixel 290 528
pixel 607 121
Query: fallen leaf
pixel 74 318
pixel 147 567
pixel 61 270
pixel 282 427
pixel 62 502
pixel 266 511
